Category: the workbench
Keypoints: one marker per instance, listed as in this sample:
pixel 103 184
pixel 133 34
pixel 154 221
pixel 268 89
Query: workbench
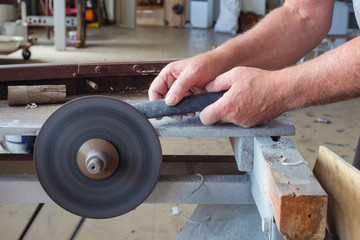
pixel 265 191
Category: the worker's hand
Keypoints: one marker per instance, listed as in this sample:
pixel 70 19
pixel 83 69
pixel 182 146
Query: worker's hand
pixel 254 97
pixel 184 77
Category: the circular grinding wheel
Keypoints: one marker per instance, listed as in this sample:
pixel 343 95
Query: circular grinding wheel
pixel 99 133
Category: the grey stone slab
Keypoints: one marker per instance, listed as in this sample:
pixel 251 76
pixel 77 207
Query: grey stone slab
pixel 22 189
pixel 226 222
pixel 19 183
pixel 215 189
pixel 21 121
pixel 192 127
pixel 284 161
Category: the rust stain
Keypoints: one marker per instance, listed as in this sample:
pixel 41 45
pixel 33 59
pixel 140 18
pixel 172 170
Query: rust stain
pixel 302 217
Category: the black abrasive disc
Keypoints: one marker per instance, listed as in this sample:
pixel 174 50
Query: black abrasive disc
pixel 102 119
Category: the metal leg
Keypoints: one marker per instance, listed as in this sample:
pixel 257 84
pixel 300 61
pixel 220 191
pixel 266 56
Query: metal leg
pixel 77 229
pixel 59 25
pixel 32 219
pixel 81 25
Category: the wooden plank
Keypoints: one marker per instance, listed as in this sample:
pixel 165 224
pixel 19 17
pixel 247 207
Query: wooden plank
pixel 14 218
pixel 22 95
pixel 342 183
pixel 53 223
pixel 298 202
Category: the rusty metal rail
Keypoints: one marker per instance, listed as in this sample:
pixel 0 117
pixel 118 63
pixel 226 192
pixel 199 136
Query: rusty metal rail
pixel 108 76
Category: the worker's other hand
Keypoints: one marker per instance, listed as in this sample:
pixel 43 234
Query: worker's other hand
pixel 254 97
pixel 182 78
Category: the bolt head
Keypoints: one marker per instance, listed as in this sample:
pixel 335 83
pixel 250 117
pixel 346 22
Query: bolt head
pixel 98 69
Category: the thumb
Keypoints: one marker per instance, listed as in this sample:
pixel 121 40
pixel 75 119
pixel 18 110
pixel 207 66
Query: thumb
pixel 220 83
pixel 211 114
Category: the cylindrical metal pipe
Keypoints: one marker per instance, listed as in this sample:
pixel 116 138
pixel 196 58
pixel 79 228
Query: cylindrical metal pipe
pixel 23 10
pixel 92 84
pixel 94 166
pixel 95 162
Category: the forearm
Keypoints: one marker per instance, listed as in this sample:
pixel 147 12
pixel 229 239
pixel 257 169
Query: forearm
pixel 280 39
pixel 332 77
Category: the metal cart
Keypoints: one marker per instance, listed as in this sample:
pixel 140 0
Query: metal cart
pixel 14 36
pixel 10 44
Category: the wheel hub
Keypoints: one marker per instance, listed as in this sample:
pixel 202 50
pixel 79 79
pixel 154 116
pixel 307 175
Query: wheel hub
pixel 97 159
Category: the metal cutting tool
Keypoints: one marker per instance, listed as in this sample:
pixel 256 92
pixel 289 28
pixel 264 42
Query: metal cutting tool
pixel 99 157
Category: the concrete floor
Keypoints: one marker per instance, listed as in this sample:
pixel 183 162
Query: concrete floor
pixel 155 221
pixel 112 43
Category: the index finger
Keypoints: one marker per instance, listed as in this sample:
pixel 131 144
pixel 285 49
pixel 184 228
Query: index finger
pixel 179 88
pixel 161 85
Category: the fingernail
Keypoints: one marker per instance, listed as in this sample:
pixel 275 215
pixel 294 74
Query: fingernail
pixel 208 87
pixel 200 115
pixel 203 121
pixel 171 99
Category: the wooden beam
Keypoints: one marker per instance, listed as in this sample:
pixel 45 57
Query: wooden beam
pixel 41 94
pixel 298 202
pixel 342 182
